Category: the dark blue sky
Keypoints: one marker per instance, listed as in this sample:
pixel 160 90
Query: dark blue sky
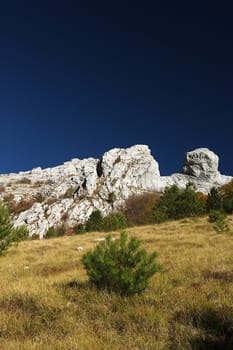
pixel 78 78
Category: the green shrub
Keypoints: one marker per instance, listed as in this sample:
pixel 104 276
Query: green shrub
pixel 114 221
pixel 228 205
pixel 57 231
pixel 221 225
pixel 227 197
pixel 122 222
pixel 79 229
pixel 176 203
pixel 120 265
pixel 9 234
pixel 6 228
pixel 217 217
pixel 95 221
pixel 20 234
pixel 160 215
pixel 214 200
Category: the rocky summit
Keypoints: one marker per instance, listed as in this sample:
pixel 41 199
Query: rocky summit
pixel 42 198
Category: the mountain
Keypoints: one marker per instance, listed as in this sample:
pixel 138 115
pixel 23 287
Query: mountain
pixel 42 198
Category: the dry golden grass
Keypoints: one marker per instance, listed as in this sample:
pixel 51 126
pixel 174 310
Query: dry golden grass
pixel 46 302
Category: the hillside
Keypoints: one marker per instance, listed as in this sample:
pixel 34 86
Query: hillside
pixel 46 302
pixel 69 193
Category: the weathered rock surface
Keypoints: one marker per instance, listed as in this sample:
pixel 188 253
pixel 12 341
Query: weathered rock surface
pixel 201 163
pixel 72 191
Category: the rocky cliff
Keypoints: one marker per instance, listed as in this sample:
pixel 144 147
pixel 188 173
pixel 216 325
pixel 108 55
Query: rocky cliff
pixel 42 198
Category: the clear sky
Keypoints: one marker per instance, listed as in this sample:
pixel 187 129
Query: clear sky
pixel 78 78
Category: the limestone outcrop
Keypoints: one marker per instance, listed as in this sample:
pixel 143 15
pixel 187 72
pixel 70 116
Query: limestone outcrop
pixel 201 163
pixel 71 192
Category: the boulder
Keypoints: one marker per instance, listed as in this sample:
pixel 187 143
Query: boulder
pixel 201 163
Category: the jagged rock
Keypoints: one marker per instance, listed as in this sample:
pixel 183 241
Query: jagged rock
pixel 201 163
pixel 35 219
pixel 72 191
pixel 128 171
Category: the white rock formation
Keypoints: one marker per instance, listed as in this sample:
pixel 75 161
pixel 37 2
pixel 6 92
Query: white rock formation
pixel 201 163
pixel 72 191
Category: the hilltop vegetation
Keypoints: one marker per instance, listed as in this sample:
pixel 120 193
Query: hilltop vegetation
pixel 46 302
pixel 152 207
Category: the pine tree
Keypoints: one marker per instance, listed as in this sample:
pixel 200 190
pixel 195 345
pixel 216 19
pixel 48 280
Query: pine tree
pixel 120 265
pixel 176 203
pixel 6 228
pixel 214 200
pixel 95 221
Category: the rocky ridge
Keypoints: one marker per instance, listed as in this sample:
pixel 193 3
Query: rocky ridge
pixel 72 191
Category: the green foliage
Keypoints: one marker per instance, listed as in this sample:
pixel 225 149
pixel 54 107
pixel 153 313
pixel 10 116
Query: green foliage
pixel 178 203
pixel 120 265
pixel 221 226
pixel 57 231
pixel 227 196
pixel 20 234
pixel 217 217
pixel 228 205
pixel 214 200
pixel 9 234
pixel 160 214
pixel 79 229
pixel 95 221
pixel 114 221
pixel 6 228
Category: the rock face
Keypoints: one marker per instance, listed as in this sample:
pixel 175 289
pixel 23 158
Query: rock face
pixel 71 192
pixel 201 163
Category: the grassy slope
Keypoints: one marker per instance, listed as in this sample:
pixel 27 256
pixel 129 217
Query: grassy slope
pixel 46 302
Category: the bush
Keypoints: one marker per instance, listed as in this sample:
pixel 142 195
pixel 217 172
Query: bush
pixel 227 195
pixel 120 265
pixel 221 225
pixel 20 233
pixel 228 205
pixel 79 229
pixel 114 221
pixel 24 180
pixel 218 218
pixel 214 200
pixel 176 203
pixel 9 234
pixel 227 190
pixel 160 215
pixel 6 228
pixel 138 209
pixel 216 215
pixel 95 221
pixel 15 208
pixel 55 232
